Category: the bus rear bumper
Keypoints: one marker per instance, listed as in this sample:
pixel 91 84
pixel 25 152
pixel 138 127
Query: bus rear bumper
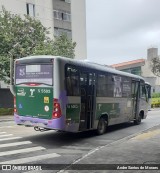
pixel 55 124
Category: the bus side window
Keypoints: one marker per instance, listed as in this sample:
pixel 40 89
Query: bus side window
pixel 117 86
pixel 149 91
pixel 147 98
pixel 101 86
pixel 72 81
pixel 75 85
pixel 69 86
pixel 143 91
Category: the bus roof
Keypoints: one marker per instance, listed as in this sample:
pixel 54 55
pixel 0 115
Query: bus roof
pixel 82 63
pixel 147 83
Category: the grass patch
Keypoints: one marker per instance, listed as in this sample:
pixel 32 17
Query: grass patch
pixel 6 111
pixel 155 102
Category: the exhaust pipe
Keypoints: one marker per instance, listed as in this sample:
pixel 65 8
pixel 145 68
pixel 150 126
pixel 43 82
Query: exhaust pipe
pixel 36 128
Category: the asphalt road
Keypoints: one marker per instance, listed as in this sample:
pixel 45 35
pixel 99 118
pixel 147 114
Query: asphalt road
pixel 23 145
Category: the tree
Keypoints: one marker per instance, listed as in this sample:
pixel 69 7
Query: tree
pixel 20 37
pixel 64 47
pixel 61 46
pixel 156 66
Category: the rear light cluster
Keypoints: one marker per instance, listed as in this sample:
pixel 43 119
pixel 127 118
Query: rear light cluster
pixel 32 84
pixel 15 109
pixel 56 109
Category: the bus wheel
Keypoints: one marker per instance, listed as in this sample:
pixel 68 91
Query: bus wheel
pixel 101 128
pixel 138 120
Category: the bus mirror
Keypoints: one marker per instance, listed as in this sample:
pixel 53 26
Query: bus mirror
pixel 149 92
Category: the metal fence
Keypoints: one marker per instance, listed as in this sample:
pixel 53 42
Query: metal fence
pixel 6 98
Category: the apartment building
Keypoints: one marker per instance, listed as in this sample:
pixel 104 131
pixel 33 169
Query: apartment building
pixel 61 16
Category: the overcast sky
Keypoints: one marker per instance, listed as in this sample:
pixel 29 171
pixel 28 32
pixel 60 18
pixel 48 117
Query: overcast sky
pixel 121 30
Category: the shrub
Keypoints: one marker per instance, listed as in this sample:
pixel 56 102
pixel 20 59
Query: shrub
pixel 6 111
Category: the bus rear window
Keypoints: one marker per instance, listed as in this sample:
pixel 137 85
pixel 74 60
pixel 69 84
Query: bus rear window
pixel 42 73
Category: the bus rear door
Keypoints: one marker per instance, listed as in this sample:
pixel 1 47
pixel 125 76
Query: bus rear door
pixel 87 92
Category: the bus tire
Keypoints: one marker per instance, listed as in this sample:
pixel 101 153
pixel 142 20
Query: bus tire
pixel 102 125
pixel 138 120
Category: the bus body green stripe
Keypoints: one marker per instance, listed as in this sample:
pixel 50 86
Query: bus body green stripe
pixel 34 101
pixel 112 109
pixel 73 113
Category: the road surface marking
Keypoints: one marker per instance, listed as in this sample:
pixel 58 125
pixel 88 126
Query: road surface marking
pixel 146 135
pixel 7 127
pixel 6 139
pixel 26 150
pixel 2 132
pixel 77 147
pixel 37 171
pixel 70 151
pixel 2 136
pixel 15 144
pixel 31 159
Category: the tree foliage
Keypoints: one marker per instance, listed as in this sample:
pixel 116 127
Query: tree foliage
pixel 23 36
pixel 156 66
pixel 63 45
pixel 156 95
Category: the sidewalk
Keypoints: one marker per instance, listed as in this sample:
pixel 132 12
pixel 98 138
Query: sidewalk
pixel 154 109
pixel 6 118
pixel 142 148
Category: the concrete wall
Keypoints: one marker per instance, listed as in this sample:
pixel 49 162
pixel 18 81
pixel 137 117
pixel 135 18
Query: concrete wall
pixel 147 69
pixel 3 85
pixel 78 11
pixel 61 5
pixel 152 53
pixel 44 12
pixel 6 98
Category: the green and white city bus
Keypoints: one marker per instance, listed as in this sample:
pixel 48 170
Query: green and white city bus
pixel 70 95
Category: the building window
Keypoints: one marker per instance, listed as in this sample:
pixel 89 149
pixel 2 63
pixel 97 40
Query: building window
pixel 134 70
pixel 62 15
pixel 66 17
pixel 30 9
pixel 57 15
pixel 60 31
pixel 67 1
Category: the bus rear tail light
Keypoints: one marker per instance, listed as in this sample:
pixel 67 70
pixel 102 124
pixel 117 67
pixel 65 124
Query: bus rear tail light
pixel 32 84
pixel 15 109
pixel 56 109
